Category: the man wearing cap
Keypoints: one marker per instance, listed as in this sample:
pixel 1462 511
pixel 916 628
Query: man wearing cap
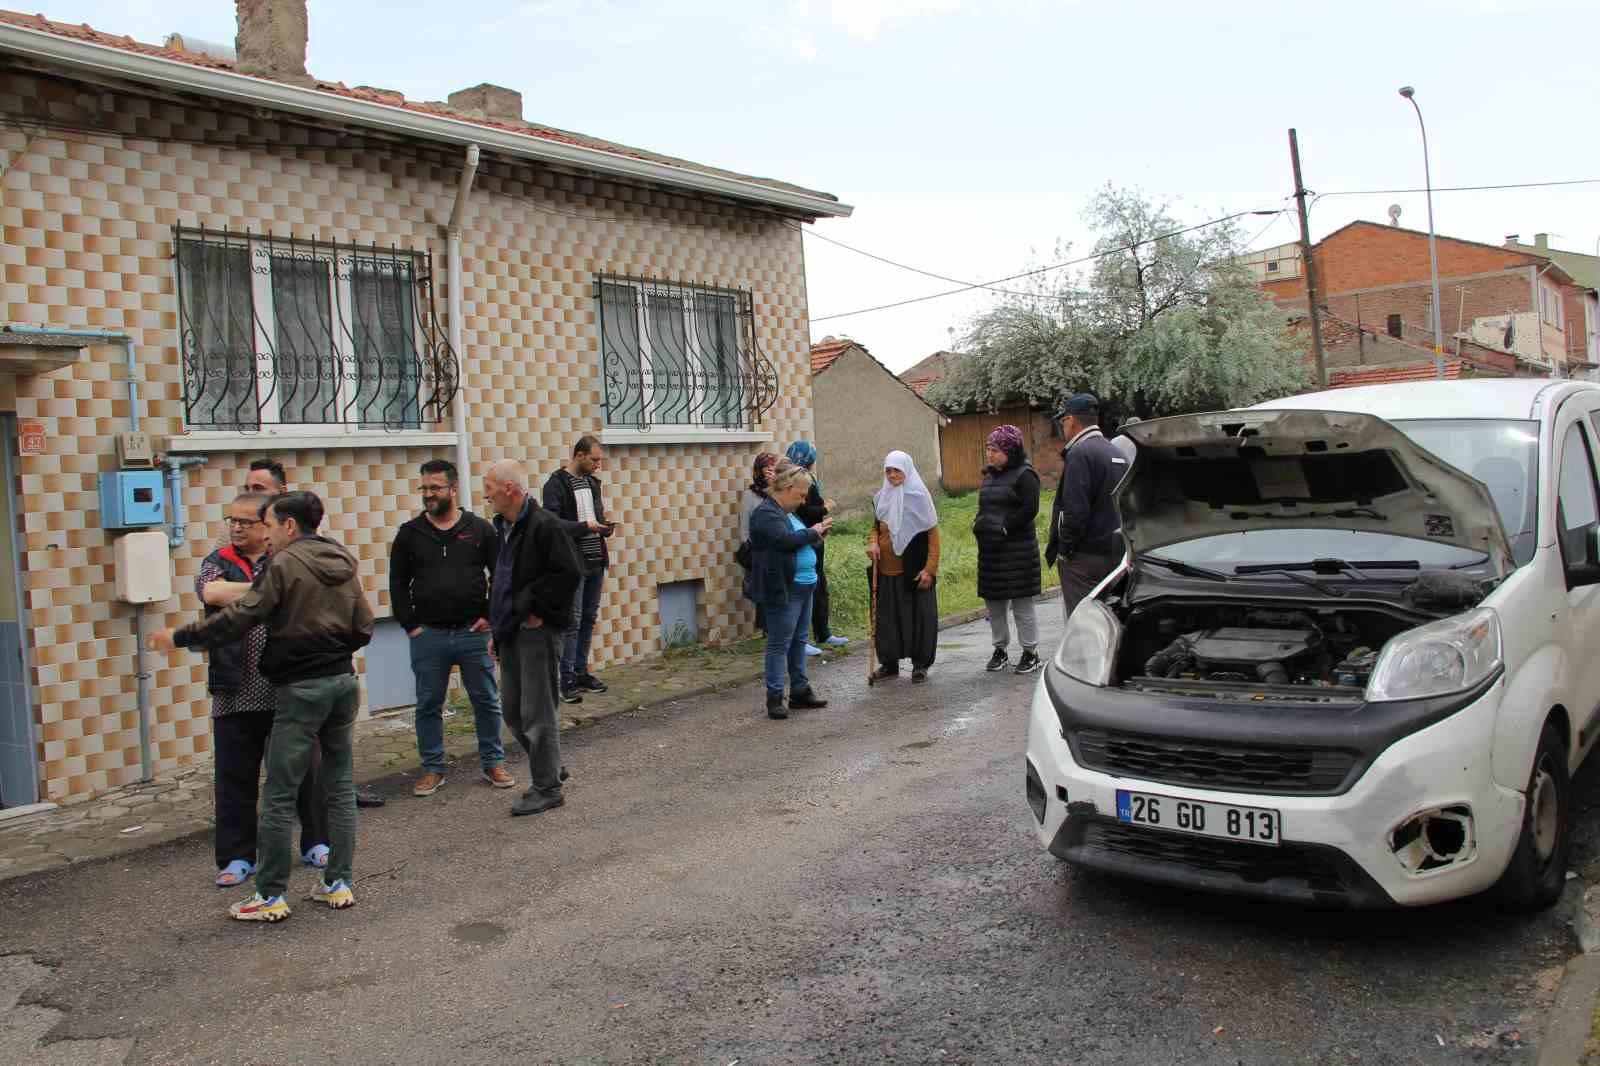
pixel 1084 527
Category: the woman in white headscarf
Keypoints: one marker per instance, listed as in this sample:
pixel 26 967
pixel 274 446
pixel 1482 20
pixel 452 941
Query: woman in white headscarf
pixel 904 546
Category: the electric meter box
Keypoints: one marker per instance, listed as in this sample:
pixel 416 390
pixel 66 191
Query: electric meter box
pixel 143 568
pixel 131 499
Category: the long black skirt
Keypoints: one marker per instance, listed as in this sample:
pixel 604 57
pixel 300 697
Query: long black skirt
pixel 908 623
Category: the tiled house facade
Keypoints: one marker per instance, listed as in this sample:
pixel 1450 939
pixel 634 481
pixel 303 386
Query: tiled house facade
pixel 89 242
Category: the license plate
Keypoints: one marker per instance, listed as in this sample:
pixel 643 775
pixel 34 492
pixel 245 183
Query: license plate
pixel 1254 825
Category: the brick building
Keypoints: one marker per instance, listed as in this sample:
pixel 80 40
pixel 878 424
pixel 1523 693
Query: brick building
pixel 279 250
pixel 1582 314
pixel 1377 276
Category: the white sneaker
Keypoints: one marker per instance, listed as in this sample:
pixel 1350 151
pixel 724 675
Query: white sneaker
pixel 837 641
pixel 812 649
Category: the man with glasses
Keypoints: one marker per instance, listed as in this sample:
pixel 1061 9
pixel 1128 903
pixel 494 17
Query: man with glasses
pixel 439 568
pixel 242 706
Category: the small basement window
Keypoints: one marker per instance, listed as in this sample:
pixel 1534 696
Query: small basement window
pixel 1396 326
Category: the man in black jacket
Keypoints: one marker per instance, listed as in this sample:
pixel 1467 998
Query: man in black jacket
pixel 572 495
pixel 530 602
pixel 1084 528
pixel 439 571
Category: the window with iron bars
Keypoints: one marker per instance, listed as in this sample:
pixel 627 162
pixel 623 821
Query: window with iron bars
pixel 676 354
pixel 278 331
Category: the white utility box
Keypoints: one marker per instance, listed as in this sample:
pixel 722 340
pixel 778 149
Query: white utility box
pixel 144 568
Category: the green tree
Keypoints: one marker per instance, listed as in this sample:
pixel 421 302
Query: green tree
pixel 1163 322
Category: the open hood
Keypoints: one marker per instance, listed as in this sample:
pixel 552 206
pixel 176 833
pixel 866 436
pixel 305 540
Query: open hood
pixel 1227 471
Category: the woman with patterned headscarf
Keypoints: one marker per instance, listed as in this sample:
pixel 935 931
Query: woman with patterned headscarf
pixel 904 547
pixel 803 453
pixel 1008 547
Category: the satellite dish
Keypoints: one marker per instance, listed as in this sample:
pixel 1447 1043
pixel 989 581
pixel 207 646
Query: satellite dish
pixel 1394 214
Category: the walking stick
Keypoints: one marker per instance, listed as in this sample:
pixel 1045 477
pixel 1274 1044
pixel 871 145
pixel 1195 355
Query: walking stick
pixel 872 622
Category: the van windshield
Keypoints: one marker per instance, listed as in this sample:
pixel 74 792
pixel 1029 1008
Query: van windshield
pixel 1501 453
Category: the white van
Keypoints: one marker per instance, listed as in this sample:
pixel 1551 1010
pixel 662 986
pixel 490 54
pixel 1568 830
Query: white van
pixel 1352 656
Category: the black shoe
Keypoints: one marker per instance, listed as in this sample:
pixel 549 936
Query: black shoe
pixel 538 803
pixel 562 775
pixel 365 797
pixel 805 700
pixel 570 694
pixel 775 708
pixel 884 673
pixel 1029 662
pixel 919 675
pixel 998 660
pixel 590 683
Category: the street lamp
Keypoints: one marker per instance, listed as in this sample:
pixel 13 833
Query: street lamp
pixel 1433 245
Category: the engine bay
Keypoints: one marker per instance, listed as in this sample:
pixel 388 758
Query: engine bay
pixel 1255 644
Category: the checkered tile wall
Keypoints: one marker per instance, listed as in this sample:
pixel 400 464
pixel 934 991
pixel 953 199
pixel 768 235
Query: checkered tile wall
pixel 86 223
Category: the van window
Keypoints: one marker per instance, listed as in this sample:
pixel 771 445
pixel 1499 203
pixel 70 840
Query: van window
pixel 1576 513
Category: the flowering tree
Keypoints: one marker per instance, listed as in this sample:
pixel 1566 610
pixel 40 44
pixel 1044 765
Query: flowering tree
pixel 1163 322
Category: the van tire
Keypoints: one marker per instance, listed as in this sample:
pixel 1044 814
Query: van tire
pixel 1537 873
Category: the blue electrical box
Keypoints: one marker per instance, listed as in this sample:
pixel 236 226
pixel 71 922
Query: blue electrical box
pixel 131 499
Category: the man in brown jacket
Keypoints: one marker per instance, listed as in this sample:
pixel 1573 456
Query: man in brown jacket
pixel 316 616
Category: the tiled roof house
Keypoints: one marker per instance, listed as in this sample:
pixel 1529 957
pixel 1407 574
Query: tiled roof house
pixel 351 283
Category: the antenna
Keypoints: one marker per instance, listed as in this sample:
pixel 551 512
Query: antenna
pixel 1394 214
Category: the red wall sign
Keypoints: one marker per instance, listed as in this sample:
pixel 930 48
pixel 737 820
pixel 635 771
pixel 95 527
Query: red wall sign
pixel 31 438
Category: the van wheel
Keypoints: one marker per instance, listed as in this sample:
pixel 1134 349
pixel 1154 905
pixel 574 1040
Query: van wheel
pixel 1537 873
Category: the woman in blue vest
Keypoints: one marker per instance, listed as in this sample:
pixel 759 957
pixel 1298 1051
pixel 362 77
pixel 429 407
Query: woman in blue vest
pixel 782 580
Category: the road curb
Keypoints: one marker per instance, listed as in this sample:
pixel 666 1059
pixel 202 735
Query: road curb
pixel 1567 1031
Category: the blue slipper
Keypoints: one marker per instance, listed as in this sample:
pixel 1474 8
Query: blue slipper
pixel 317 857
pixel 235 873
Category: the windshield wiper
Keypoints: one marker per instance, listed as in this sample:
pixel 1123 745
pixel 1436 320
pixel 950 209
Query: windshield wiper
pixel 1288 572
pixel 1186 569
pixel 1332 566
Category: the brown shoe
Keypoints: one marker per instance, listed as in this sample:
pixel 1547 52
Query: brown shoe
pixel 428 784
pixel 499 777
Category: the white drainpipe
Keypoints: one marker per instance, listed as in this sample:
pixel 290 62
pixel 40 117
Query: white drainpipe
pixel 458 404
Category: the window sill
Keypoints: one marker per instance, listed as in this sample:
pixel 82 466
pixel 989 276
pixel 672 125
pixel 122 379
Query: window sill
pixel 614 435
pixel 271 440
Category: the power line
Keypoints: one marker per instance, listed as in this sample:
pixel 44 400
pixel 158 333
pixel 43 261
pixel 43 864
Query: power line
pixel 919 270
pixel 1461 188
pixel 1041 270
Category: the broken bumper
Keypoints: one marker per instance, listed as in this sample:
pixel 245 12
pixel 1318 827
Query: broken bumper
pixel 1336 850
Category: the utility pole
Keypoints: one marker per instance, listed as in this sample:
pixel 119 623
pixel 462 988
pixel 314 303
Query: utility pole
pixel 1305 255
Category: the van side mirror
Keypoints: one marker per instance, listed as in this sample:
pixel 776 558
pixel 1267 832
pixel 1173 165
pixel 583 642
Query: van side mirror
pixel 1586 572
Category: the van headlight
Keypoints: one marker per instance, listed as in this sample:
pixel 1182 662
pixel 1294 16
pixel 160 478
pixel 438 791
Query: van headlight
pixel 1089 650
pixel 1450 655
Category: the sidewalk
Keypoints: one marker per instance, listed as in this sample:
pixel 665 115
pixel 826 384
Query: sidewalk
pixel 179 803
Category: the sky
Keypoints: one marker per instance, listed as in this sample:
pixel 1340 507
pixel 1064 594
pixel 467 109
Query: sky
pixel 969 137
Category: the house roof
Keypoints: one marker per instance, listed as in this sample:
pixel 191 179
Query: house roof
pixel 925 372
pixel 1583 269
pixel 1424 233
pixel 827 352
pixel 85 48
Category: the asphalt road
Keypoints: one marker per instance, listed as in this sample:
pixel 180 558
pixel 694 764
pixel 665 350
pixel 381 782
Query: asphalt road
pixel 857 884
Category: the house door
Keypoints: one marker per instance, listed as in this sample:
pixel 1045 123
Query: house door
pixel 18 785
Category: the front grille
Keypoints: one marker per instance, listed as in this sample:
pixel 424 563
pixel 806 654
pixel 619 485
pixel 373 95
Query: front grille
pixel 1252 863
pixel 1208 764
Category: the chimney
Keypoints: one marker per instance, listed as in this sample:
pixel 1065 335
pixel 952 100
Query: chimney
pixel 1513 238
pixel 489 101
pixel 272 39
pixel 1541 241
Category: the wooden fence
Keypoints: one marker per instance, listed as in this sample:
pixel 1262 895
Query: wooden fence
pixel 961 445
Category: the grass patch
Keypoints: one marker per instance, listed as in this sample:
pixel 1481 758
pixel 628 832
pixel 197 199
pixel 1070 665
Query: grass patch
pixel 958 561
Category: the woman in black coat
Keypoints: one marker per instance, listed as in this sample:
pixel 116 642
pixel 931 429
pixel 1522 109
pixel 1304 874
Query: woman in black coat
pixel 1008 547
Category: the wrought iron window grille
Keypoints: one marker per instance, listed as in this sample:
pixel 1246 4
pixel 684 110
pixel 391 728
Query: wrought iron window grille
pixel 280 331
pixel 676 353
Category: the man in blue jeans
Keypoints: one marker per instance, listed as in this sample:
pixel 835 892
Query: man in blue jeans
pixel 439 568
pixel 317 616
pixel 572 496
